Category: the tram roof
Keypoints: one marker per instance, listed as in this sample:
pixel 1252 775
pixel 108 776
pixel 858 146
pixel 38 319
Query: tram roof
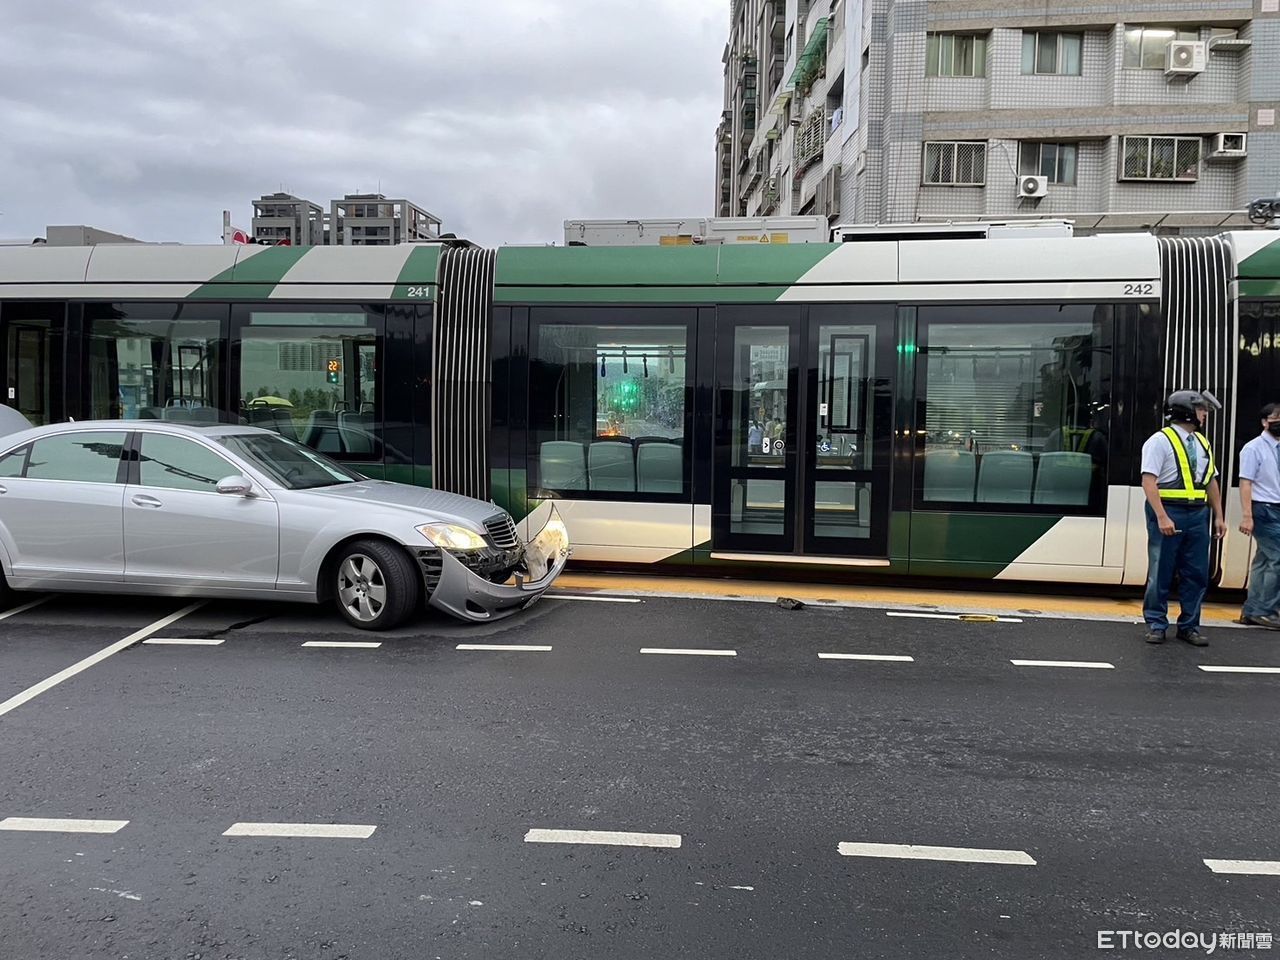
pixel 728 272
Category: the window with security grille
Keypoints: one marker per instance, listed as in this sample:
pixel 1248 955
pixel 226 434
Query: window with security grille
pixel 1161 158
pixel 1057 161
pixel 1050 52
pixel 955 55
pixel 1147 47
pixel 955 164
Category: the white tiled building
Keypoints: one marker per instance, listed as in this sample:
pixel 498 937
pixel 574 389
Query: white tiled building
pixel 1141 113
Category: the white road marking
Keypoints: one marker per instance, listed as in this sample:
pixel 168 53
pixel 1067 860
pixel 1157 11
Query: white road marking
pixel 24 608
pixel 32 692
pixel 518 647
pixel 326 831
pixel 1216 669
pixel 1248 868
pixel 675 651
pixel 980 617
pixel 1081 664
pixel 888 658
pixel 606 837
pixel 911 851
pixel 127 894
pixel 186 641
pixel 569 596
pixel 43 825
pixel 742 888
pixel 343 644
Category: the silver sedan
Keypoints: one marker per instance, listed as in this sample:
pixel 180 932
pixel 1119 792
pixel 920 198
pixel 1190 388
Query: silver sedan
pixel 153 507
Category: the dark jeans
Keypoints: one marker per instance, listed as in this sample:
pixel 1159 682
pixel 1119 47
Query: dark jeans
pixel 1264 575
pixel 1185 553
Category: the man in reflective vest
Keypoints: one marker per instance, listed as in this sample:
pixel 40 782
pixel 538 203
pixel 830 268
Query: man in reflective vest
pixel 1181 485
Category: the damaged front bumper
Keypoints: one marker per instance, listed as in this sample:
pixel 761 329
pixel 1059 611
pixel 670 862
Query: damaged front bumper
pixel 469 596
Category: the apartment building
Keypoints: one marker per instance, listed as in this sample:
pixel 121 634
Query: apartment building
pixel 358 219
pixel 1117 115
pixel 284 218
pixel 370 219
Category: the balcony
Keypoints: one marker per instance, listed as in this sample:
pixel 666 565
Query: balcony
pixel 813 58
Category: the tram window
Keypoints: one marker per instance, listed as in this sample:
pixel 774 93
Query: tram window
pixel 1255 359
pixel 609 411
pixel 313 377
pixel 1016 407
pixel 155 361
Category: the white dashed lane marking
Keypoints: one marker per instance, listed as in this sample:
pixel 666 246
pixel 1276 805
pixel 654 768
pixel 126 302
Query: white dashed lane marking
pixel 605 837
pixel 678 652
pixel 1248 868
pixel 343 644
pixel 509 647
pixel 1076 664
pixel 32 692
pixel 1216 669
pixel 887 658
pixel 911 851
pixel 185 641
pixel 42 825
pixel 324 831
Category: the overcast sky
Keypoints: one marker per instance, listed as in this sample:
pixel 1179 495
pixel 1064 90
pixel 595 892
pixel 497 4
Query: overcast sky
pixel 502 117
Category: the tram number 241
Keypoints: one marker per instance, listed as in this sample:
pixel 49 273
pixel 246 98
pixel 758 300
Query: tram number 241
pixel 1139 289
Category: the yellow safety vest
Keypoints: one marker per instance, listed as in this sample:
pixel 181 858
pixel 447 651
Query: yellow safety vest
pixel 1189 491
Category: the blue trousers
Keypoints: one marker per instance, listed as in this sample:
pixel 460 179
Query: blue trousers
pixel 1264 575
pixel 1187 555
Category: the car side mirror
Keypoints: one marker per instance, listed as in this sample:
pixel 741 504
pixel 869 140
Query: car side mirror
pixel 235 486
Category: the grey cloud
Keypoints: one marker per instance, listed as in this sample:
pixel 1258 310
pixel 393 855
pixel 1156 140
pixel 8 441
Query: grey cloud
pixel 504 118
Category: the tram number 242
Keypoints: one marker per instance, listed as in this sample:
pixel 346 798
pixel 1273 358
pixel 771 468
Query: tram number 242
pixel 1139 289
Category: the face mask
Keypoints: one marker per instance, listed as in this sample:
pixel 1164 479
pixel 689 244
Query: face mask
pixel 1274 428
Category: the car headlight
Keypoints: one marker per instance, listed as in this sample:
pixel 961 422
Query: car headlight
pixel 451 536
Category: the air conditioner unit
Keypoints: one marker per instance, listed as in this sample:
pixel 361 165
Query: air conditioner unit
pixel 1228 146
pixel 1185 58
pixel 1035 187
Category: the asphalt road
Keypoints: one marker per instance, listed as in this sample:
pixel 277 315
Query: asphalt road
pixel 1101 790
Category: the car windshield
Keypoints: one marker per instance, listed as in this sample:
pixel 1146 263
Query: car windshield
pixel 289 463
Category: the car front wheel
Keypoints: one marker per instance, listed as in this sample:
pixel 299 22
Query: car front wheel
pixel 376 586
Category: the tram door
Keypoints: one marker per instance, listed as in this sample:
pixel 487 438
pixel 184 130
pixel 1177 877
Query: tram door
pixel 32 343
pixel 803 427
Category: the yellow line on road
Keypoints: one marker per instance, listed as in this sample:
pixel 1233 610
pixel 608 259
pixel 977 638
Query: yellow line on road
pixel 873 596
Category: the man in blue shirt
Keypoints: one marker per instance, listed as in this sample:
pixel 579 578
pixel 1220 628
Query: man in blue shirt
pixel 1260 498
pixel 1181 485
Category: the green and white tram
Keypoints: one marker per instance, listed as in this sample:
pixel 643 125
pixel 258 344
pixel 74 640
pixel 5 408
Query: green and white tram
pixel 956 407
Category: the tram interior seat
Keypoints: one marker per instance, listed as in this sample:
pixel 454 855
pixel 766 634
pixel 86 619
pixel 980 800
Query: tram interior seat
pixel 273 418
pixel 949 475
pixel 356 432
pixel 562 465
pixel 1064 477
pixel 1005 476
pixel 659 466
pixel 322 432
pixel 611 464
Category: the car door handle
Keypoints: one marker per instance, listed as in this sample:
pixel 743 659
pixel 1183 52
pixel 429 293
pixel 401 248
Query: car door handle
pixel 143 500
pixel 3 489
